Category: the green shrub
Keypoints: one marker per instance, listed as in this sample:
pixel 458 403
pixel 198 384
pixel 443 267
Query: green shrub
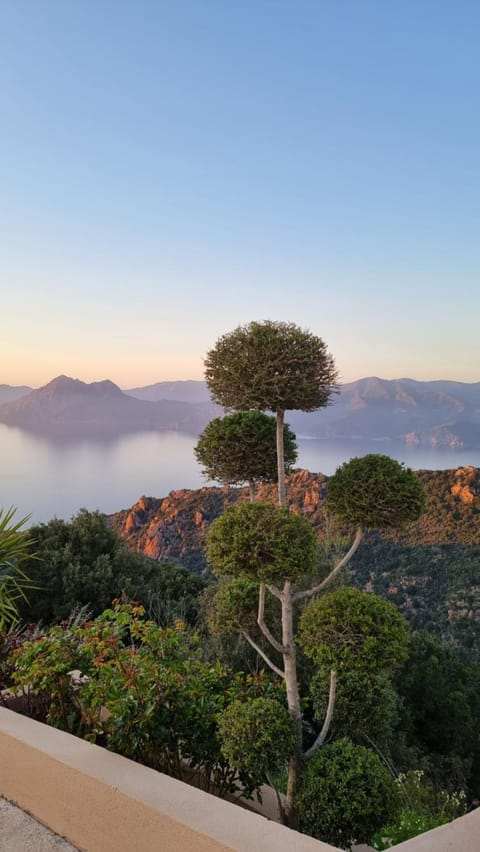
pixel 349 629
pixel 84 563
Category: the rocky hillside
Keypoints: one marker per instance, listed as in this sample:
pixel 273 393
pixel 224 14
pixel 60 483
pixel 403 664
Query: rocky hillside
pixel 174 527
pixel 431 570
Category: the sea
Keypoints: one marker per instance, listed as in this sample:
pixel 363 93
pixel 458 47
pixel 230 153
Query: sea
pixel 46 477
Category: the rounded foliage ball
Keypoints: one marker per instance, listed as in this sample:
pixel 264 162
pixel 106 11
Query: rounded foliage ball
pixel 352 630
pixel 365 703
pixel 241 447
pixel 375 491
pixel 344 794
pixel 263 542
pixel 270 366
pixel 257 736
pixel 231 606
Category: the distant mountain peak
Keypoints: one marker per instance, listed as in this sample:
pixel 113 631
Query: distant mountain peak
pixel 65 385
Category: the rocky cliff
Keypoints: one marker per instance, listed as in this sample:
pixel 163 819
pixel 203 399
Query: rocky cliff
pixel 174 527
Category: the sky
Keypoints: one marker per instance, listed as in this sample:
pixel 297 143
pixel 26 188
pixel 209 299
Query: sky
pixel 171 170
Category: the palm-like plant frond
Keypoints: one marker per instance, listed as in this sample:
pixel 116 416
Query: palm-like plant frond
pixel 14 583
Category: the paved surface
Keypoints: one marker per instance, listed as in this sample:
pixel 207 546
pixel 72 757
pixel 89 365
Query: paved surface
pixel 19 832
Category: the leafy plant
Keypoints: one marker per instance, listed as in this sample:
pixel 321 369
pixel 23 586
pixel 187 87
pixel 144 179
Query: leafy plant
pixel 347 629
pixel 375 491
pixel 424 808
pixel 142 691
pixel 14 582
pixel 240 448
pixel 83 562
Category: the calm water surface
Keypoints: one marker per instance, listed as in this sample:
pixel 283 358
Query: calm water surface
pixel 49 477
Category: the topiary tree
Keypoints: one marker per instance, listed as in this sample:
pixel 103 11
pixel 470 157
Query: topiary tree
pixel 271 366
pixel 344 794
pixel 277 549
pixel 240 448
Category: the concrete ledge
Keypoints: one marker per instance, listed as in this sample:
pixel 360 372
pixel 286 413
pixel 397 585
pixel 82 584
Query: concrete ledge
pixel 103 802
pixel 461 835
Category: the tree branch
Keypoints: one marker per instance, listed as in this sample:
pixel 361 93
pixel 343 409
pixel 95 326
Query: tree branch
pixel 328 717
pixel 262 654
pixel 274 591
pixel 261 622
pixel 318 588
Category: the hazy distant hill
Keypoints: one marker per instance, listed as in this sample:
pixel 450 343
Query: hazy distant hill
pixel 69 405
pixel 185 391
pixel 8 393
pixel 431 570
pixel 439 413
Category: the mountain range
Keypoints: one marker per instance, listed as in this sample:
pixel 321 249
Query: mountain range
pixel 437 413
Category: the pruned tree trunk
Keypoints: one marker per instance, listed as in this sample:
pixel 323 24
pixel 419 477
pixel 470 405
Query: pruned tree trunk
pixel 293 697
pixel 282 496
pixel 251 491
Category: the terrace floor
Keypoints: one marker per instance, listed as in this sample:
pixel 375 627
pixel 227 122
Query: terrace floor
pixel 19 832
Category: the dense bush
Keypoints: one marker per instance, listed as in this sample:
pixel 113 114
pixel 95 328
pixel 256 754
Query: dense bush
pixel 440 715
pixel 347 628
pixel 241 448
pixel 84 563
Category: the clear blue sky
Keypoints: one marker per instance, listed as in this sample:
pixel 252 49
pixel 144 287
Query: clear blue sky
pixel 170 169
